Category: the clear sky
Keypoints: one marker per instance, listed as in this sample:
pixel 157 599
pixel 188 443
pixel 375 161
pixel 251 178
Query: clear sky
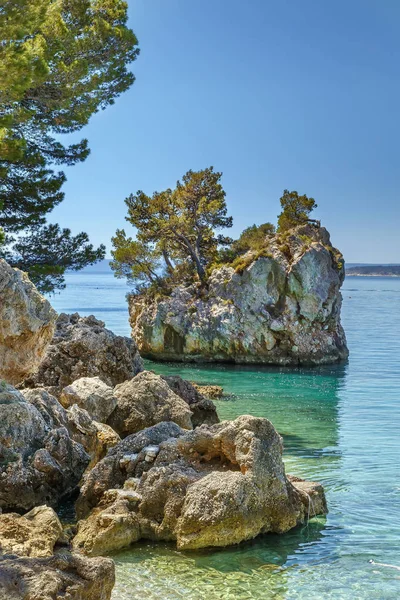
pixel 276 94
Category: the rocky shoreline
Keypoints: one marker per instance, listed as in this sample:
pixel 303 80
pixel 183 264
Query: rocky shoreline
pixel 145 456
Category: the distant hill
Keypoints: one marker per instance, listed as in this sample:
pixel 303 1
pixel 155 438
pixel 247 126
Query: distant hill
pixel 373 270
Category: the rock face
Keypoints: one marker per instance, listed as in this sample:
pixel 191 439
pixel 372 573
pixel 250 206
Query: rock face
pixel 279 308
pixel 91 394
pixel 144 401
pixel 27 323
pixel 213 486
pixel 39 461
pixel 83 347
pixel 35 534
pixel 63 576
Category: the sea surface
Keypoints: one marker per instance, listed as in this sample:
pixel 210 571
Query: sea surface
pixel 341 426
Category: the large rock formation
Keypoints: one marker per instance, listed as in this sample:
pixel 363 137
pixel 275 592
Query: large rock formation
pixel 63 576
pixel 34 534
pixel 39 461
pixel 282 307
pixel 213 486
pixel 27 324
pixel 83 347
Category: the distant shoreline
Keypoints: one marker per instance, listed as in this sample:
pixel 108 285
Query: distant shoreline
pixel 372 275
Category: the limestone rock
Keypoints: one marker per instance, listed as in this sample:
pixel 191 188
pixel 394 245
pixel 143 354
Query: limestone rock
pixel 96 438
pixel 144 401
pixel 213 486
pixel 34 534
pixel 39 462
pixel 281 308
pixel 63 576
pixel 203 409
pixel 27 323
pixel 91 394
pixel 83 347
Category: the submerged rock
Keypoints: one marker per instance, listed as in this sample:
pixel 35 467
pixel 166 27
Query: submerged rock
pixel 66 576
pixel 83 347
pixel 39 461
pixel 144 401
pixel 27 323
pixel 213 486
pixel 209 391
pixel 282 307
pixel 34 534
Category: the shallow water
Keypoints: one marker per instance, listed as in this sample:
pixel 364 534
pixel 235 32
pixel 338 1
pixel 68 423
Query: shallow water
pixel 340 426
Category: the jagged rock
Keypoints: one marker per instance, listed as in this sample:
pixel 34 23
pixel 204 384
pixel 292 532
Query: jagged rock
pixel 118 465
pixel 39 462
pixel 144 401
pixel 91 394
pixel 282 307
pixel 96 438
pixel 83 347
pixel 27 324
pixel 63 576
pixel 34 534
pixel 213 486
pixel 209 391
pixel 203 409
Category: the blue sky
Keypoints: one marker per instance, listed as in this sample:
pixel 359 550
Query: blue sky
pixel 275 94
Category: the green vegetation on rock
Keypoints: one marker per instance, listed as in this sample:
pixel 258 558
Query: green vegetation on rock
pixel 176 241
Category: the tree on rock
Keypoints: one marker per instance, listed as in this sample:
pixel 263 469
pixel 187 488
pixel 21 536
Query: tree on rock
pixel 60 62
pixel 296 210
pixel 177 227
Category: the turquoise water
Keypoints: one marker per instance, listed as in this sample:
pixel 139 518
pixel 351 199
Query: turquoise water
pixel 340 426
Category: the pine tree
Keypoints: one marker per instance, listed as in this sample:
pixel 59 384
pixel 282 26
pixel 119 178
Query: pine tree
pixel 60 62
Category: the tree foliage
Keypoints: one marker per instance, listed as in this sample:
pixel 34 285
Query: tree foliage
pixel 176 230
pixel 296 210
pixel 60 62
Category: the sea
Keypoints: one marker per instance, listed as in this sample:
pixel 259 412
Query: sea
pixel 340 425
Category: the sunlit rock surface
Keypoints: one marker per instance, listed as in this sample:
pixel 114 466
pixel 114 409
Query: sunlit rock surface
pixel 83 347
pixel 27 323
pixel 213 486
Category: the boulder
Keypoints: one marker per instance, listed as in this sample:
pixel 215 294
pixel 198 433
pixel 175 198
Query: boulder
pixel 214 486
pixel 203 409
pixel 280 306
pixel 83 347
pixel 144 401
pixel 91 394
pixel 27 323
pixel 63 576
pixel 96 438
pixel 39 461
pixel 34 534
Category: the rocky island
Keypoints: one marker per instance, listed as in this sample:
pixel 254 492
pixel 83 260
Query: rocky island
pixel 280 306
